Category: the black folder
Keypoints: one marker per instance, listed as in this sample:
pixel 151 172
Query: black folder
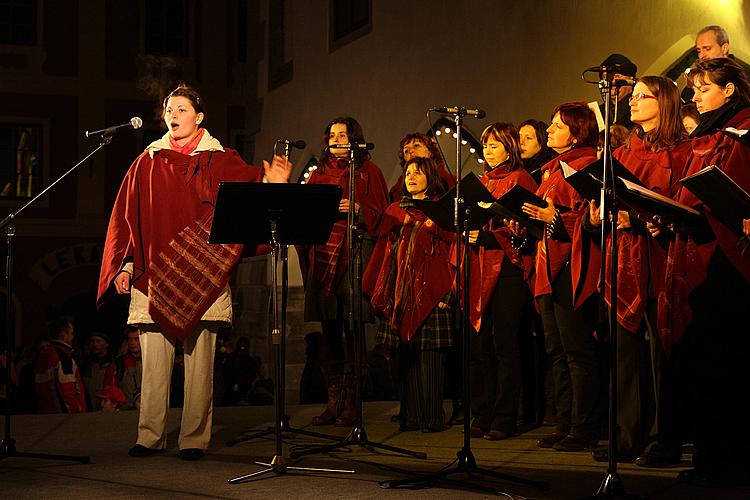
pixel 508 206
pixel 588 180
pixel 649 203
pixel 441 211
pixel 727 201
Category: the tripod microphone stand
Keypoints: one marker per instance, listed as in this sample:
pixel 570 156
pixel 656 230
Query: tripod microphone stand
pixel 611 485
pixel 466 463
pixel 8 444
pixel 357 435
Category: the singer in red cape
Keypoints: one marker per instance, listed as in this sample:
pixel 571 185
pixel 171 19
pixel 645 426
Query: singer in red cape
pixel 409 280
pixel 415 145
pixel 656 152
pixel 565 282
pixel 703 307
pixel 325 267
pixel 157 251
pixel 498 294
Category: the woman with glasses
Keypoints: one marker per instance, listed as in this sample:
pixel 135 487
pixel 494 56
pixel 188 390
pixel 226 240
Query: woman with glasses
pixel 703 308
pixel 656 152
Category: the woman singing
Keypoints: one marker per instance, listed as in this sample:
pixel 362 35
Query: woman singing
pixel 326 267
pixel 499 295
pixel 656 152
pixel 157 251
pixel 566 272
pixel 409 280
pixel 703 309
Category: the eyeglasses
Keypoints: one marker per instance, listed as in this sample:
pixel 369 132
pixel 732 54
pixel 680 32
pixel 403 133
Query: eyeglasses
pixel 640 96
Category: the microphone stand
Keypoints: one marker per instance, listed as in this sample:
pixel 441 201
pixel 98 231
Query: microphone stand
pixel 7 226
pixel 283 421
pixel 466 463
pixel 358 434
pixel 611 485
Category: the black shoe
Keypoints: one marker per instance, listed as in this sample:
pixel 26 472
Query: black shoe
pixel 575 443
pixel 408 427
pixel 191 454
pixel 139 451
pixel 658 456
pixel 602 455
pixel 550 440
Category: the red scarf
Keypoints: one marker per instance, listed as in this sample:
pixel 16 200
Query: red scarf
pixel 190 146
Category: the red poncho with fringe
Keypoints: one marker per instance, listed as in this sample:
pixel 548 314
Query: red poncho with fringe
pixel 161 220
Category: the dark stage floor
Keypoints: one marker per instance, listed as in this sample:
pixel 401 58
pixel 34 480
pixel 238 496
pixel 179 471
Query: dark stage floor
pixel 112 474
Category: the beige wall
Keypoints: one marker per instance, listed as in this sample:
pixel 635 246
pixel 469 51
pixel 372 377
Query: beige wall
pixel 514 59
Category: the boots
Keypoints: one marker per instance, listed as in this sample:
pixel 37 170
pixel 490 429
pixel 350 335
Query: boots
pixel 335 402
pixel 349 415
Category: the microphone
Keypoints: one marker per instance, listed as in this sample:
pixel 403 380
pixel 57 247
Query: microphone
pixel 134 122
pixel 459 110
pixel 361 145
pixel 294 144
pixel 624 82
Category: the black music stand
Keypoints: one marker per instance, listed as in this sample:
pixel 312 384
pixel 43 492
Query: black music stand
pixel 279 214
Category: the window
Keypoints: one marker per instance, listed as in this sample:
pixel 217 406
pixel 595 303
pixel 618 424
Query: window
pixel 18 22
pixel 349 20
pixel 166 27
pixel 280 64
pixel 21 159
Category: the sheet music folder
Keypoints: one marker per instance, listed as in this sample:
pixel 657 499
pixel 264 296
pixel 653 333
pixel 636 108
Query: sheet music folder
pixel 588 180
pixel 648 203
pixel 441 211
pixel 727 201
pixel 508 206
pixel 305 213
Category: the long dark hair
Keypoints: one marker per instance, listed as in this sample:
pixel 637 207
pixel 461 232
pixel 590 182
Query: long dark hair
pixel 670 130
pixel 356 136
pixel 436 186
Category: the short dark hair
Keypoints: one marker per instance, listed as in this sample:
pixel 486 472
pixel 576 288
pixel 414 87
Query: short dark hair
pixel 59 325
pixel 507 135
pixel 720 33
pixel 429 143
pixel 722 71
pixel 581 121
pixel 436 186
pixel 188 92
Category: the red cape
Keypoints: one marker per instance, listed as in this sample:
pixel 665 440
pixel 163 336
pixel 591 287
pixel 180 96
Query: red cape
pixel 486 263
pixel 371 194
pixel 582 252
pixel 160 222
pixel 640 256
pixel 687 262
pixel 409 271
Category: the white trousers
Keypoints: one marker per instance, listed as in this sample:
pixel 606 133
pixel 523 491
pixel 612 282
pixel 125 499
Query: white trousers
pixel 157 354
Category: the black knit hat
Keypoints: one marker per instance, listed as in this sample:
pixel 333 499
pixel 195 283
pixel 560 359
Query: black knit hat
pixel 620 64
